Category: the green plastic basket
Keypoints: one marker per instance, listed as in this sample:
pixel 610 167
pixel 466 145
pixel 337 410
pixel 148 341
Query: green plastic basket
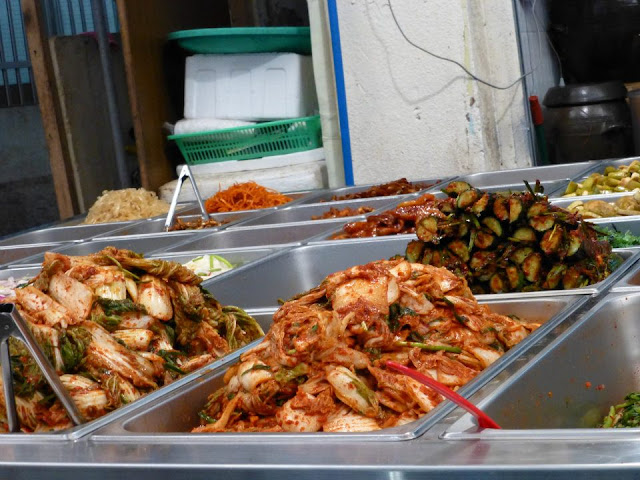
pixel 255 141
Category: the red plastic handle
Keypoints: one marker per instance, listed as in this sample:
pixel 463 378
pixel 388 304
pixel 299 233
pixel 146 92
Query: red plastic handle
pixel 484 420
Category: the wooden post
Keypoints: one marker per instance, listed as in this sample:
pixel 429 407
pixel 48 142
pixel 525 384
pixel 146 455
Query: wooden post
pixel 40 54
pixel 144 26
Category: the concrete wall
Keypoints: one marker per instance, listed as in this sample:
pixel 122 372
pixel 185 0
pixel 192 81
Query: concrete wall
pixel 413 115
pixel 27 197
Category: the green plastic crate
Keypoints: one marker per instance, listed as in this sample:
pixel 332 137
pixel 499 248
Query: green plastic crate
pixel 255 141
pixel 245 40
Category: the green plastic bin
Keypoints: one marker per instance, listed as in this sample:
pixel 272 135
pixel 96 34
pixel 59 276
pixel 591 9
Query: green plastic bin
pixel 255 141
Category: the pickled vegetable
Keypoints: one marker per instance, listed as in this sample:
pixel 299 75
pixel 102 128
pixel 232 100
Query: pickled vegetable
pixel 552 240
pixel 554 276
pixel 497 284
pixel 623 206
pixel 456 188
pixel 532 267
pixel 501 209
pixel 524 234
pixel 467 198
pixel 427 228
pixel 414 251
pixel 516 242
pixel 459 248
pixel 481 205
pixel 625 178
pixel 515 209
pixel 493 224
pixel 520 254
pixel 484 240
pixel 515 277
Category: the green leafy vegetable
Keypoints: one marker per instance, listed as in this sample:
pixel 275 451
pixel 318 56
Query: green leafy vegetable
pixel 395 312
pixel 286 375
pixel 118 307
pixel 619 239
pixel 169 357
pixel 72 347
pixel 108 322
pixel 256 367
pixel 433 348
pixel 624 415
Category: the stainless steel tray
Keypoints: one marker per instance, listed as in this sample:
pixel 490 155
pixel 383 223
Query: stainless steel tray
pixel 567 389
pixel 298 197
pixel 62 234
pixel 150 423
pixel 598 166
pixel 18 254
pixel 303 213
pixel 610 198
pixel 79 431
pixel 293 271
pixel 629 255
pixel 19 272
pixel 78 219
pixel 290 272
pixel 324 196
pixel 551 187
pixel 621 224
pixel 516 177
pixel 237 256
pixel 144 244
pixel 630 281
pixel 157 226
pixel 268 236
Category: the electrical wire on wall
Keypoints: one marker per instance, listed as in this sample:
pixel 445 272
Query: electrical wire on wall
pixel 341 89
pixel 465 69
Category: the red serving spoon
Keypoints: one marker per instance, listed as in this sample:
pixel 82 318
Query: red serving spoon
pixel 484 420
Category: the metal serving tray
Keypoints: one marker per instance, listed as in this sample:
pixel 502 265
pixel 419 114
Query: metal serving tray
pixel 628 282
pixel 515 177
pixel 62 234
pixel 157 226
pixel 303 213
pixel 324 196
pixel 610 198
pixel 621 224
pixel 268 236
pixel 568 388
pixel 150 423
pixel 290 272
pixel 140 244
pixel 293 271
pixel 237 256
pixel 78 219
pixel 598 166
pixel 16 254
pixel 550 187
pixel 297 197
pixel 264 319
pixel 18 273
pixel 629 256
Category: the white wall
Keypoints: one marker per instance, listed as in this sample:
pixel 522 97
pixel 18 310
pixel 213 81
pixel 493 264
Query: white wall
pixel 416 116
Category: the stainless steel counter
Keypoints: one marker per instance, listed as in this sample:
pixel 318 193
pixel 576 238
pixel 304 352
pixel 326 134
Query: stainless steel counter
pixel 283 244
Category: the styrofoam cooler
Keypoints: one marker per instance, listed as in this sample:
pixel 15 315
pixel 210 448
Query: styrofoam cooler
pixel 253 87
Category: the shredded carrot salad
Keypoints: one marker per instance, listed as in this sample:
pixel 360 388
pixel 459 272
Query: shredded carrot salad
pixel 244 196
